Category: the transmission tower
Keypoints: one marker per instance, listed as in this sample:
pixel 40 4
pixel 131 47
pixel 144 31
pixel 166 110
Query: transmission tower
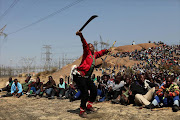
pixel 48 59
pixel 1 31
pixel 104 45
pixel 1 42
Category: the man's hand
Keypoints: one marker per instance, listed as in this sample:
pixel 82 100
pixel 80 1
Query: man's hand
pixel 110 49
pixel 130 92
pixel 15 94
pixel 44 88
pixel 110 88
pixel 79 33
pixel 102 85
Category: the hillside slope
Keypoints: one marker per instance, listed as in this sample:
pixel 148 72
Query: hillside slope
pixel 110 60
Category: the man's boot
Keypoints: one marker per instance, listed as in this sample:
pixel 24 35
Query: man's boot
pixel 90 108
pixel 175 108
pixel 82 113
pixel 150 106
pixel 115 101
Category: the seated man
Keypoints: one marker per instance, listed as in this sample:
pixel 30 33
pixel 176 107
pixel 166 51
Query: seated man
pixel 16 89
pixel 117 87
pixel 7 88
pixel 168 94
pixel 36 87
pixel 49 88
pixel 142 91
pixel 62 87
pixel 25 85
pixel 126 95
pixel 109 83
pixel 74 93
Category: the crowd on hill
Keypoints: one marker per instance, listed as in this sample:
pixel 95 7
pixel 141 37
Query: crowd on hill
pixel 152 83
pixel 153 56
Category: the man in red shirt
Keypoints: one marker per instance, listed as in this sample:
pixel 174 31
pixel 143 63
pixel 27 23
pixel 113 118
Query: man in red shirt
pixel 83 76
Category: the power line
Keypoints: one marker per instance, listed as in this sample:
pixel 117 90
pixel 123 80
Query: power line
pixel 10 7
pixel 46 17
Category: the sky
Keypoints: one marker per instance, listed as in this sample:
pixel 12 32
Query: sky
pixel 123 21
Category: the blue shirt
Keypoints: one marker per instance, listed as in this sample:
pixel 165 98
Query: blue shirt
pixel 13 88
pixel 62 86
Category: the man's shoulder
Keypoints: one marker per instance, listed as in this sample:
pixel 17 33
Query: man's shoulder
pixel 13 84
pixel 19 84
pixel 174 85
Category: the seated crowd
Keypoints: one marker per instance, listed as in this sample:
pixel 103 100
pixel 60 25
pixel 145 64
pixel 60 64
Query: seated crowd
pixel 35 88
pixel 140 89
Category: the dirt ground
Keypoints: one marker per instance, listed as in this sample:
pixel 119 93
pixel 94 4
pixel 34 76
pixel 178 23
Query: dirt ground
pixel 43 109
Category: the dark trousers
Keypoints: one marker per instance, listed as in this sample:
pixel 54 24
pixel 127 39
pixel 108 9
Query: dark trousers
pixel 61 92
pixel 7 88
pixel 116 94
pixel 85 84
pixel 8 94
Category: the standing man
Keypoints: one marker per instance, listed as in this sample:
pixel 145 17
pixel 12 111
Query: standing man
pixel 83 76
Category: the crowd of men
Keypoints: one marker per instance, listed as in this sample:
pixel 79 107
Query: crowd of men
pixel 35 88
pixel 152 83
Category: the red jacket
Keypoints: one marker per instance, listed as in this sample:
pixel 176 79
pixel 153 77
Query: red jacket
pixel 87 58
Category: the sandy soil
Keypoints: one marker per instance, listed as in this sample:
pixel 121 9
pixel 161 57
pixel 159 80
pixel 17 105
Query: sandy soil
pixel 43 109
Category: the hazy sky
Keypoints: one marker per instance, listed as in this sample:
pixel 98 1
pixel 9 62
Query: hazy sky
pixel 120 20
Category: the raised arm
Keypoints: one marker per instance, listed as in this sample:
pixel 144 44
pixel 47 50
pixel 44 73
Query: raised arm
pixel 84 43
pixel 101 53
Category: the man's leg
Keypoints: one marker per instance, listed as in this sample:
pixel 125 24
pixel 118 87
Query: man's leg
pixel 176 100
pixel 149 94
pixel 84 93
pixel 77 95
pixel 33 89
pixel 155 102
pixel 175 107
pixel 4 89
pixel 82 85
pixel 61 92
pixel 116 94
pixel 141 100
pixel 19 95
pixel 38 92
pixel 144 99
pixel 52 94
pixel 93 93
pixel 48 91
pixel 8 94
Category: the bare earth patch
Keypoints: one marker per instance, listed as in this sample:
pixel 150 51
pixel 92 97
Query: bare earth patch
pixel 43 109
